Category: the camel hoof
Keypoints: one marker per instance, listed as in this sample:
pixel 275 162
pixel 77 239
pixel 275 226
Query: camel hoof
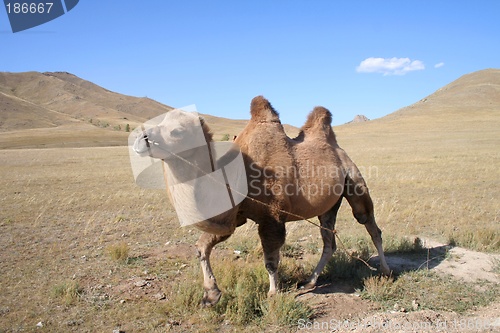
pixel 306 285
pixel 211 297
pixel 386 271
pixel 271 293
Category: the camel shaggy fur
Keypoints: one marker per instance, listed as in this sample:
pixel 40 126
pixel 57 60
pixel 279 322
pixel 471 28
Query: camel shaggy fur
pixel 288 180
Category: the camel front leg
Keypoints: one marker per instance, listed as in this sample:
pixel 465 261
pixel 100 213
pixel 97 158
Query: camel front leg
pixel 272 236
pixel 205 244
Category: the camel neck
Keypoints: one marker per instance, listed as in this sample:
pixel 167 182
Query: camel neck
pixel 190 164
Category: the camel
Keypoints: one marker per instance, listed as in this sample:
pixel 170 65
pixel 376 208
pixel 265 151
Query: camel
pixel 288 180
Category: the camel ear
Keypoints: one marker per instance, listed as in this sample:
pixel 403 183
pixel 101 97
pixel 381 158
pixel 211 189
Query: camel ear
pixel 261 110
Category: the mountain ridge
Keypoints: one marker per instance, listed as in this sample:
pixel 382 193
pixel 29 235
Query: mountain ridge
pixel 39 103
pixel 50 107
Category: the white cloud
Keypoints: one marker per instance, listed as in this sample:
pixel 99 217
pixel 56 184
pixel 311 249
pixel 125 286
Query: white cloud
pixel 439 65
pixel 389 66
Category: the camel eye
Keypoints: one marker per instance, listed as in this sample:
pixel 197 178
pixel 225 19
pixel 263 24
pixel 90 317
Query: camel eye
pixel 176 132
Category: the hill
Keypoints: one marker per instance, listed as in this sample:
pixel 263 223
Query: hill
pixel 61 109
pixel 359 119
pixel 55 99
pixel 470 104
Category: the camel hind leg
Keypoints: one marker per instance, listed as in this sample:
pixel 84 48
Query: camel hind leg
pixel 357 194
pixel 327 221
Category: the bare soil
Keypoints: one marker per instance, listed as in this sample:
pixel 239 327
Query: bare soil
pixel 341 309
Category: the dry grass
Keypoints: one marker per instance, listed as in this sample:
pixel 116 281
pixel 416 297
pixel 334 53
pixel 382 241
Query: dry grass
pixel 119 252
pixel 429 181
pixel 429 291
pixel 63 209
pixel 68 292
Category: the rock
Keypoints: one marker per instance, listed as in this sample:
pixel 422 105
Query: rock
pixel 141 283
pixel 160 296
pixel 40 324
pixel 359 119
pixel 73 323
pixel 172 323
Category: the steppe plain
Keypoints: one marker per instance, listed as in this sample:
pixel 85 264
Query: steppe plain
pixel 84 249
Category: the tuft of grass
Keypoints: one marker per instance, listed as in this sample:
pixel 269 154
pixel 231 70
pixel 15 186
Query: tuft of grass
pixel 313 248
pixel 247 247
pixel 120 218
pixel 496 266
pixel 244 301
pixel 403 245
pixel 378 288
pixel 292 250
pixel 430 291
pixel 119 252
pixel 283 310
pixel 244 286
pixel 292 271
pixel 346 265
pixel 486 239
pixel 184 299
pixel 68 292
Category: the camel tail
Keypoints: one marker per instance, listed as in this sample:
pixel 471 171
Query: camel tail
pixel 262 111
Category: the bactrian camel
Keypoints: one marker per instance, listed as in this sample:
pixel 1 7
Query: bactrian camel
pixel 288 180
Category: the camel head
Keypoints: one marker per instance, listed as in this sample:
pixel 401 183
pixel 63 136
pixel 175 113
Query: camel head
pixel 178 132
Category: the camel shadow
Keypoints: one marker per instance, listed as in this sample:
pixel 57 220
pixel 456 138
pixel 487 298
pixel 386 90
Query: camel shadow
pixel 400 262
pixel 407 261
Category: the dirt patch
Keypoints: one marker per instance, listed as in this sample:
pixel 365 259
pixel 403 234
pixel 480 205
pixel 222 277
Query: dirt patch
pixel 467 265
pixel 340 309
pixel 337 299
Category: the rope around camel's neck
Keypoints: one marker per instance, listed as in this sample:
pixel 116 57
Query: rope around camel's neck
pixel 189 165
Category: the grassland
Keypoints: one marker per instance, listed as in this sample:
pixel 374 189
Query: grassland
pixel 84 248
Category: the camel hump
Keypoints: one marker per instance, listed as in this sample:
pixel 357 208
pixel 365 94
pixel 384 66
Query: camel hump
pixel 320 119
pixel 262 111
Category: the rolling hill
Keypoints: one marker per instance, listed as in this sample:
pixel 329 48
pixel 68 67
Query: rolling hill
pixel 466 109
pixel 61 109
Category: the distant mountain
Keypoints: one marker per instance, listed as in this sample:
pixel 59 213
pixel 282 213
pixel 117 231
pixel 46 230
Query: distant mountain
pixel 359 119
pixel 61 109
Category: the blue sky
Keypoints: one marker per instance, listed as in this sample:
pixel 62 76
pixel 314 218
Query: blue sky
pixel 353 57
